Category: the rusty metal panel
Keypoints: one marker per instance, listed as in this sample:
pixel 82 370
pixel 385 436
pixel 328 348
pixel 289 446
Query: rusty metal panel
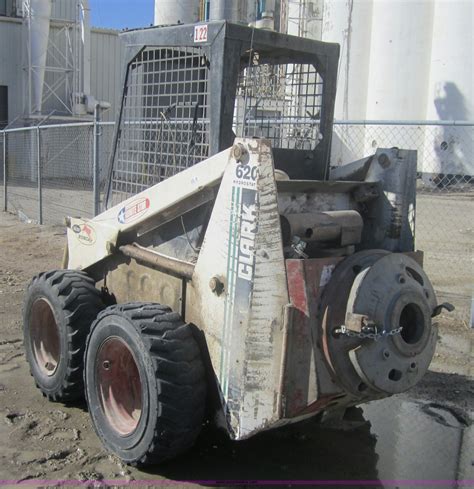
pixel 307 384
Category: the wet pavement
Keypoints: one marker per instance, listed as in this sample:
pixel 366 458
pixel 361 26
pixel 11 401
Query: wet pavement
pixel 420 441
pixel 388 440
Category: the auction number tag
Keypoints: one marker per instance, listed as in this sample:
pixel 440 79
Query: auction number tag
pixel 200 33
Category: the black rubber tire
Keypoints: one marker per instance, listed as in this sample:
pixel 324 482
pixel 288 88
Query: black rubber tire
pixel 172 379
pixel 75 303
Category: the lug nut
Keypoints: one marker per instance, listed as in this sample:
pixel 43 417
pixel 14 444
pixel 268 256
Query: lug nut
pixel 106 365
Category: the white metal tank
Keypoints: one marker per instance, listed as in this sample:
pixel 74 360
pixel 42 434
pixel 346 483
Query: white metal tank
pixel 350 25
pixel 385 56
pixel 233 10
pixel 168 12
pixel 400 52
pixel 450 150
pixel 405 60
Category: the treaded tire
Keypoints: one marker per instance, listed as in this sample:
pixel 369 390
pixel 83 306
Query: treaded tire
pixel 69 299
pixel 171 380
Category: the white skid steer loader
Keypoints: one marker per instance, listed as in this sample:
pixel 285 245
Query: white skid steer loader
pixel 232 272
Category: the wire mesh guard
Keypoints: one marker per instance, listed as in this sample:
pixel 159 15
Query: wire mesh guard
pixel 280 102
pixel 164 125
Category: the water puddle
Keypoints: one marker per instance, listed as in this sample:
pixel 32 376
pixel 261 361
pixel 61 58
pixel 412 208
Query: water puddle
pixel 389 440
pixel 420 441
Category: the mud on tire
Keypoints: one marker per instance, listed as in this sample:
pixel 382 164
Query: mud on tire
pixel 145 382
pixel 58 311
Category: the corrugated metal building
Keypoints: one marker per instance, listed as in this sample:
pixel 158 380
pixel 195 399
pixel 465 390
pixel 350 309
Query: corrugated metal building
pixel 105 59
pixel 106 71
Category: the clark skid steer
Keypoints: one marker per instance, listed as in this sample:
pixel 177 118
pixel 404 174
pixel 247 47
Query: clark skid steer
pixel 232 274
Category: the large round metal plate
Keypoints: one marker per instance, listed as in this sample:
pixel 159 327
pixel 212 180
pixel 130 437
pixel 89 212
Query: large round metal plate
pixel 395 292
pixel 333 312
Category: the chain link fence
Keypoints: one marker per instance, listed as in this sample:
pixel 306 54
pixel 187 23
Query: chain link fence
pixel 50 170
pixel 445 194
pixel 50 175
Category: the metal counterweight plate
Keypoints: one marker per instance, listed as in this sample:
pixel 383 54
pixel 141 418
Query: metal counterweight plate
pixel 394 293
pixel 333 311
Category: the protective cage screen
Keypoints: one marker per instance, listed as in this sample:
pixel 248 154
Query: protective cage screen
pixel 280 102
pixel 164 125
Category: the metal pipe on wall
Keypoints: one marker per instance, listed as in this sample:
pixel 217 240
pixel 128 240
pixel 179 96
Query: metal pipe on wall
pixel 5 172
pixel 39 175
pixel 39 15
pixel 96 160
pixel 84 19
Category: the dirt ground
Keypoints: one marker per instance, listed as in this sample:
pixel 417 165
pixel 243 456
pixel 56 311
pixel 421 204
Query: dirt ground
pixel 42 440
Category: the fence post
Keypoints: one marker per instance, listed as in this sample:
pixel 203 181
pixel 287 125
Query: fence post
pixel 96 164
pixel 40 183
pixel 5 200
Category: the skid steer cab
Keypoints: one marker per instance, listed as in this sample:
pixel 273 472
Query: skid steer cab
pixel 232 277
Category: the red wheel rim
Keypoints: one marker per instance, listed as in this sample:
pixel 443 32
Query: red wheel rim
pixel 44 334
pixel 119 385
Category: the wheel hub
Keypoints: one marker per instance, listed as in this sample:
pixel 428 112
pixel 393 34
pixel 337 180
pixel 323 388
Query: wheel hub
pixel 45 339
pixel 119 385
